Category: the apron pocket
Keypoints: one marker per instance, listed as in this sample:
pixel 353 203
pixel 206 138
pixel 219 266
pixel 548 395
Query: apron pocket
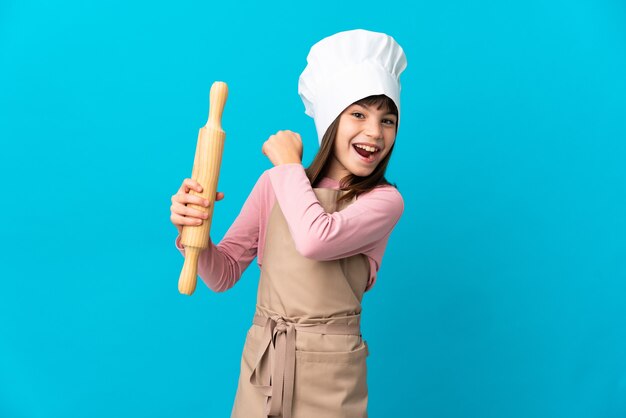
pixel 349 357
pixel 331 383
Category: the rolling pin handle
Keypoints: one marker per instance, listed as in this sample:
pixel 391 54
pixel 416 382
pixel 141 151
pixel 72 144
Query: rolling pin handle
pixel 188 276
pixel 217 101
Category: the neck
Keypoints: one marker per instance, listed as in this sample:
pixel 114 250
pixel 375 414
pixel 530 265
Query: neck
pixel 327 182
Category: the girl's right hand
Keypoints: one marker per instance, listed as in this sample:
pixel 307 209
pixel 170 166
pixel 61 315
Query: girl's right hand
pixel 183 215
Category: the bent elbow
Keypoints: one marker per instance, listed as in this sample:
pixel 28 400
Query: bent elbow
pixel 220 277
pixel 221 289
pixel 221 286
pixel 311 249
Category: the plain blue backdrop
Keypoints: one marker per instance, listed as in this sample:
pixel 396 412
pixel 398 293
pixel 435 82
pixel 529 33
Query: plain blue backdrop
pixel 502 292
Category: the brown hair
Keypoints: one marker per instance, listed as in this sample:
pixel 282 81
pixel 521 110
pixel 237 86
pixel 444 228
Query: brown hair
pixel 355 185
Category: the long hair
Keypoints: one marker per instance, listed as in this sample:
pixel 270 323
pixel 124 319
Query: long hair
pixel 355 185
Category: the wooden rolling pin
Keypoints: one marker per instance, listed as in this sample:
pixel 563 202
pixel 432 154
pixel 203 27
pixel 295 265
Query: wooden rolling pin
pixel 206 170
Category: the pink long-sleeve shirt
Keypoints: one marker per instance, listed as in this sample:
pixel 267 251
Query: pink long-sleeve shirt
pixel 363 227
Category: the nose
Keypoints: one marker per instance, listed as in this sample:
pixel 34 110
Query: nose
pixel 374 129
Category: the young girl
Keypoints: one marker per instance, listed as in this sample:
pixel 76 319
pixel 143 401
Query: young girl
pixel 319 235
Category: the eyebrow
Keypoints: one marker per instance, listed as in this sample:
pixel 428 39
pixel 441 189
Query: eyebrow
pixel 369 108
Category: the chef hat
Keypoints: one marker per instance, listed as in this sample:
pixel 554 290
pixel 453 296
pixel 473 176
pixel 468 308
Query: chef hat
pixel 346 67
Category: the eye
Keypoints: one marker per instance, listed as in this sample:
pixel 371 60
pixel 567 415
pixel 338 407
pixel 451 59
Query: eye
pixel 390 122
pixel 357 113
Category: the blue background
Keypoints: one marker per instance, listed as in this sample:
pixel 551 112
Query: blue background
pixel 502 292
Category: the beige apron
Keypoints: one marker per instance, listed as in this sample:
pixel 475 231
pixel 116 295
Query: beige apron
pixel 304 355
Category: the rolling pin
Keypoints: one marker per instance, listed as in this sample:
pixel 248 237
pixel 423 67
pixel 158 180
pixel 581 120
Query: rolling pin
pixel 206 170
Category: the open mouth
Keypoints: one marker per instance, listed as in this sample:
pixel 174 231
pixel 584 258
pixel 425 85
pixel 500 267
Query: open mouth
pixel 367 156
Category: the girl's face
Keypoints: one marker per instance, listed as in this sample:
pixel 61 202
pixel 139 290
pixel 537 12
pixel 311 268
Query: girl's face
pixel 365 126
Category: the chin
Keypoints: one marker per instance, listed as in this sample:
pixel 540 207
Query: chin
pixel 362 172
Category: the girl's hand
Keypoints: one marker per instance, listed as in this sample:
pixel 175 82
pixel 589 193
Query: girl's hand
pixel 183 215
pixel 284 147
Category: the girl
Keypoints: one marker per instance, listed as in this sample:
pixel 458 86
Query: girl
pixel 319 235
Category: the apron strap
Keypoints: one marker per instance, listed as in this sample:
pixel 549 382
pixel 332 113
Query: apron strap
pixel 279 344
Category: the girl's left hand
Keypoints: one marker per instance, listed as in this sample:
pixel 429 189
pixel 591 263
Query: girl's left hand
pixel 284 147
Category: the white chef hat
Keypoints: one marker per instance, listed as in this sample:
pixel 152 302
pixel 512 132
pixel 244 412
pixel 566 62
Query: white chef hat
pixel 346 67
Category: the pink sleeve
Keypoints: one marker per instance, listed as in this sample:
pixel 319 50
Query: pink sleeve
pixel 329 236
pixel 221 266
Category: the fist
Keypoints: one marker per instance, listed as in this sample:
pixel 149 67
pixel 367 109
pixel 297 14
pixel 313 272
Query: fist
pixel 181 214
pixel 283 147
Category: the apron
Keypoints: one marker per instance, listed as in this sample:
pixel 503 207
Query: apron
pixel 304 355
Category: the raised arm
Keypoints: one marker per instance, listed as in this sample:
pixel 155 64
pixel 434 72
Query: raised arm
pixel 329 236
